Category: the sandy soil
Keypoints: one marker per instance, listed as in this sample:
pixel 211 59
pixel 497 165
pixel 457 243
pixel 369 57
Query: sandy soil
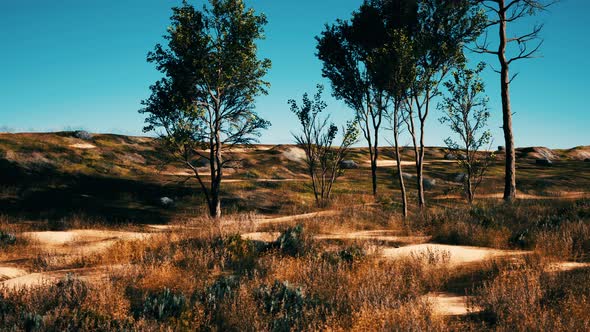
pixel 521 195
pixel 376 235
pixel 7 272
pixel 447 304
pixel 91 275
pixel 86 240
pixel 458 255
pixel 83 146
pixel 387 163
pixel 262 236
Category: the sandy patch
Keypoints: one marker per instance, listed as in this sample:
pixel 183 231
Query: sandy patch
pixel 11 272
pixel 458 255
pixel 566 266
pixel 446 304
pixel 82 240
pixel 83 146
pixel 521 195
pixel 90 275
pixel 298 217
pixel 262 236
pixel 375 235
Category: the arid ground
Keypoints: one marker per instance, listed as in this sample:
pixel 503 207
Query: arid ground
pixel 107 234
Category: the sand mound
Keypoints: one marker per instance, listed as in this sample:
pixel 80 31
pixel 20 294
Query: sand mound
pixel 458 255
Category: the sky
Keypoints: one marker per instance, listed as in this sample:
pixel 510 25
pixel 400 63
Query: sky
pixel 72 64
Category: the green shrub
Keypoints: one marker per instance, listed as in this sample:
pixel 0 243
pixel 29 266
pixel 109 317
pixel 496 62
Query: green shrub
pixel 284 304
pixel 295 242
pixel 164 305
pixel 7 239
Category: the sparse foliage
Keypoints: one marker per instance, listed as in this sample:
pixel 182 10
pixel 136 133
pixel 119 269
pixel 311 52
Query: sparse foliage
pixel 443 28
pixel 466 113
pixel 317 138
pixel 501 13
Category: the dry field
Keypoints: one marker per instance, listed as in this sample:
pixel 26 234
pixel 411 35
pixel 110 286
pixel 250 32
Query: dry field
pixel 86 244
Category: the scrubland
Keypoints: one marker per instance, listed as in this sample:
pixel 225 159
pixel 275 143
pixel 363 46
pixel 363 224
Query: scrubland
pixel 86 244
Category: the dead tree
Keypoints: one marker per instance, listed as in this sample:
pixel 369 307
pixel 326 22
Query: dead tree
pixel 501 13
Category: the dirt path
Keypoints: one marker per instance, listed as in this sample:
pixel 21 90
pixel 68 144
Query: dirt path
pixel 520 195
pixel 92 275
pixel 456 255
pixel 80 241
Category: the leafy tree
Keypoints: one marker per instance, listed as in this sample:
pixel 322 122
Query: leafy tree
pixel 348 51
pixel 317 139
pixel 501 13
pixel 204 105
pixel 467 114
pixel 444 27
pixel 398 70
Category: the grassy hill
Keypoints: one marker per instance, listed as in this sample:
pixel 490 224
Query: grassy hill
pixel 53 176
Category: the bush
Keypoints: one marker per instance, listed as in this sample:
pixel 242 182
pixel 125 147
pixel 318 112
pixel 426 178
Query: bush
pixel 164 305
pixel 295 242
pixel 7 238
pixel 240 254
pixel 83 135
pixel 284 304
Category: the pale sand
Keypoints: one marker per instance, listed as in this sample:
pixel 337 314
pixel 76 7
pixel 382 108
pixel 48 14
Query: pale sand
pixel 83 146
pixel 262 236
pixel 447 304
pixel 458 254
pixel 377 235
pixel 7 272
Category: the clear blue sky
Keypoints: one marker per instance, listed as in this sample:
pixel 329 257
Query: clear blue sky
pixel 81 64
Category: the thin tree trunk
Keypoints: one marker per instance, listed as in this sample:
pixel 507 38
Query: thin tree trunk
pixel 374 157
pixel 510 166
pixel 398 159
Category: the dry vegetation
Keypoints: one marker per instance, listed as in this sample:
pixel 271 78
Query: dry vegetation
pixel 111 258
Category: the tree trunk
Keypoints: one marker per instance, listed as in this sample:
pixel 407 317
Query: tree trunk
pixel 374 157
pixel 398 159
pixel 510 166
pixel 420 168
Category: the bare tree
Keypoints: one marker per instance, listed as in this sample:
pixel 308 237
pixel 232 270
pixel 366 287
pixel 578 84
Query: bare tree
pixel 317 138
pixel 501 13
pixel 466 112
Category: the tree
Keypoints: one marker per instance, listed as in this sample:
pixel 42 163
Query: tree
pixel 317 138
pixel 444 27
pixel 400 73
pixel 467 114
pixel 204 105
pixel 347 50
pixel 500 13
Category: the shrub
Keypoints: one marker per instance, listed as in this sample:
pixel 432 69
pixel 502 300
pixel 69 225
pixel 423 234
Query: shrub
pixel 285 304
pixel 7 239
pixel 163 305
pixel 83 135
pixel 295 242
